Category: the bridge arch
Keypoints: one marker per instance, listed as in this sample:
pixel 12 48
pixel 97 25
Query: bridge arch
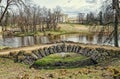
pixel 45 51
pixel 97 54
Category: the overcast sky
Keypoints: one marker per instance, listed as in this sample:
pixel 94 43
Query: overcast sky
pixel 71 7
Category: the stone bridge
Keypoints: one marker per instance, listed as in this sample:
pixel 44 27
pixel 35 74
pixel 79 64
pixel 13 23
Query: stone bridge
pixel 96 54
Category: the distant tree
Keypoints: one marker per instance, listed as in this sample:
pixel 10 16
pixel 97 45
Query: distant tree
pixel 100 18
pixel 57 12
pixel 90 18
pixel 107 11
pixel 81 17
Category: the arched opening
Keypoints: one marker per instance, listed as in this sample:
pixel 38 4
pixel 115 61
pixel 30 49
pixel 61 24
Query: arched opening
pixel 90 56
pixel 63 60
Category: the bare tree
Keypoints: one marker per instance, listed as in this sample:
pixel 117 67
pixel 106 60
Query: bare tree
pixel 111 16
pixel 57 12
pixel 81 17
pixel 0 1
pixel 116 10
pixel 6 7
pixel 100 16
pixel 31 18
pixel 90 18
pixel 10 3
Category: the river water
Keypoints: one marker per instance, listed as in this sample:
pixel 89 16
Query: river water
pixel 33 40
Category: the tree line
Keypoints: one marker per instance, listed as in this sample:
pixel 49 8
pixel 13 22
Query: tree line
pixel 103 17
pixel 28 17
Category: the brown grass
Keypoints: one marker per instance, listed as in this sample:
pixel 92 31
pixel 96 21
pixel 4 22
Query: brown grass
pixel 73 27
pixel 11 70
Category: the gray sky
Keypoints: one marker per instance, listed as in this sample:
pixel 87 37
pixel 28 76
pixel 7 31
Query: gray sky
pixel 71 7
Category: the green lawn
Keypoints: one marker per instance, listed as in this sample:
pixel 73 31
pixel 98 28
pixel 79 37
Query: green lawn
pixel 68 57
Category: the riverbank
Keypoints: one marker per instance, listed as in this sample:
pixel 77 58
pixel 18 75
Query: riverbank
pixel 63 29
pixel 68 28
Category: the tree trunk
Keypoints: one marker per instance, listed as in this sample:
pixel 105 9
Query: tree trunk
pixel 116 9
pixel 0 1
pixel 4 13
pixel 116 30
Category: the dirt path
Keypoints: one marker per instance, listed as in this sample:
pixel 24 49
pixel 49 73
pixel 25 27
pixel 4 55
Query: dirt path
pixel 30 48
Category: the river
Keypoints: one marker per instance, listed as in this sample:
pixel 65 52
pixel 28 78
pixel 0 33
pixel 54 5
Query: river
pixel 33 40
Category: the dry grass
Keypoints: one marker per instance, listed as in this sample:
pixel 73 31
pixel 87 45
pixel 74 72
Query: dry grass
pixel 11 70
pixel 73 27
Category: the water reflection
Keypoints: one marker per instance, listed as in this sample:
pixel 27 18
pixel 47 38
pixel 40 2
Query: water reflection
pixel 89 38
pixel 32 40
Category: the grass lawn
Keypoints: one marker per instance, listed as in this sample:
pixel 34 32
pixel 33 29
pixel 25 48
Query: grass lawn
pixel 4 47
pixel 64 29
